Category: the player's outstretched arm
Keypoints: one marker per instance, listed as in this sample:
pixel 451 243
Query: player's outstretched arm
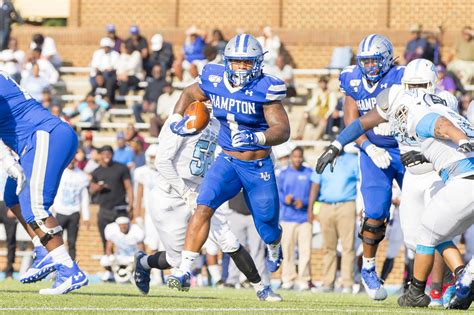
pixel 279 125
pixel 190 94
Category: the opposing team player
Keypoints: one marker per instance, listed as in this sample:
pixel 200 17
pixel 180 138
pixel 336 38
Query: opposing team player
pixel 379 155
pixel 45 145
pixel 181 164
pixel 248 105
pixel 447 141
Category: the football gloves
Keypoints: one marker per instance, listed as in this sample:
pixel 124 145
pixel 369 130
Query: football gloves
pixel 466 146
pixel 190 198
pixel 12 167
pixel 383 129
pixel 412 158
pixel 328 157
pixel 178 125
pixel 379 156
pixel 247 137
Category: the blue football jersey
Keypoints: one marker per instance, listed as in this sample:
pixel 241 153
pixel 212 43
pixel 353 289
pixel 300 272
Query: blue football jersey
pixel 21 115
pixel 353 84
pixel 239 108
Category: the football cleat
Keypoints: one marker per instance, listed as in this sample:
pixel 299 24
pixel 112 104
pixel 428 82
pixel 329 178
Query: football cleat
pixel 273 263
pixel 141 274
pixel 41 267
pixel 464 294
pixel 67 280
pixel 268 295
pixel 180 281
pixel 436 299
pixel 448 295
pixel 373 285
pixel 412 298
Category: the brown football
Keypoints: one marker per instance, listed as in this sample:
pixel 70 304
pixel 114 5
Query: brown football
pixel 198 109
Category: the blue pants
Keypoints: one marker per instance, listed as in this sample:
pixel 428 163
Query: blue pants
pixel 228 175
pixel 376 184
pixel 47 155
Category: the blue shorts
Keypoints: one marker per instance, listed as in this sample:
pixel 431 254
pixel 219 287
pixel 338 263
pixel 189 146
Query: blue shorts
pixel 46 157
pixel 376 184
pixel 228 175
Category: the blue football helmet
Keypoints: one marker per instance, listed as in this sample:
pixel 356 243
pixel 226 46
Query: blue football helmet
pixel 243 47
pixel 375 56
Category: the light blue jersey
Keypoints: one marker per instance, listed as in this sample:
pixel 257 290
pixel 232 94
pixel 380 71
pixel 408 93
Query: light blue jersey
pixel 239 108
pixel 353 84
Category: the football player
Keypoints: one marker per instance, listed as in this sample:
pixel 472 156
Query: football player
pixel 46 145
pixel 248 105
pixel 181 166
pixel 447 141
pixel 379 156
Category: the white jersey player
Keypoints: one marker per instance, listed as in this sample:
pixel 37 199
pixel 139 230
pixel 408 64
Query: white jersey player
pixel 181 164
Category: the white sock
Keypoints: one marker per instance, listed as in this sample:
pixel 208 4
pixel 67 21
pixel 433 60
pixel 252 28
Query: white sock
pixel 368 263
pixel 36 241
pixel 61 256
pixel 187 260
pixel 258 286
pixel 215 272
pixel 144 262
pixel 273 250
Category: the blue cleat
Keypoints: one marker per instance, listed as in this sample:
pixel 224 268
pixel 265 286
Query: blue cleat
pixel 67 279
pixel 268 295
pixel 273 263
pixel 42 266
pixel 373 285
pixel 141 274
pixel 464 294
pixel 180 281
pixel 448 295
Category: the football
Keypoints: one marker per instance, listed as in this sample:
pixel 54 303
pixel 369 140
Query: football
pixel 198 109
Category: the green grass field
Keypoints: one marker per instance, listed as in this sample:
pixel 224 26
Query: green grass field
pixel 122 299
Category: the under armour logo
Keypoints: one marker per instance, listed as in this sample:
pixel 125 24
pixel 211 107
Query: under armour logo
pixel 383 86
pixel 78 276
pixel 265 176
pixel 248 92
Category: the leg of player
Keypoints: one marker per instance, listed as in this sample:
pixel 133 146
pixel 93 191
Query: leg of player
pixel 436 287
pixel 42 264
pixel 143 265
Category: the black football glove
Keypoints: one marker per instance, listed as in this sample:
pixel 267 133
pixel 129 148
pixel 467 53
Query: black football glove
pixel 412 158
pixel 466 147
pixel 328 157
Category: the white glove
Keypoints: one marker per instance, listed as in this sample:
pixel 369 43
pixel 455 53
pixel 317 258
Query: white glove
pixel 13 169
pixel 379 156
pixel 190 198
pixel 383 129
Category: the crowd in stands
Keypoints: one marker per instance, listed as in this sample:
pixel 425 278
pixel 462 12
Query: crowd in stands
pixel 310 204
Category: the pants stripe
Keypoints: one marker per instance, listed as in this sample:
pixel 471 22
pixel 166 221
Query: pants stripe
pixel 38 175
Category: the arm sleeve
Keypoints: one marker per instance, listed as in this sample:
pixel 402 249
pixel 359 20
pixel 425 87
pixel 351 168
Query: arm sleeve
pixel 426 125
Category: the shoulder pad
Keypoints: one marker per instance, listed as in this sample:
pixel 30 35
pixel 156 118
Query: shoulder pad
pixel 431 99
pixel 273 87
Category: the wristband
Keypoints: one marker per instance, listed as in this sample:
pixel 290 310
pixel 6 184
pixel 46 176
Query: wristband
pixel 365 144
pixel 462 141
pixel 261 138
pixel 175 117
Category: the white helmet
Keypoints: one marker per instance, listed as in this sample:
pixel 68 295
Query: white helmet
pixel 420 72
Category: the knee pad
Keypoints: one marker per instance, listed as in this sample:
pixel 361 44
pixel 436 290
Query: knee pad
pixel 49 233
pixel 374 229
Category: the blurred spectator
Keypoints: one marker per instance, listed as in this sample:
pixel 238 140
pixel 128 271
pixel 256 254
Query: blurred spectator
pixel 112 34
pixel 417 46
pixel 164 108
pixel 8 218
pixel 137 42
pixel 320 106
pixel 104 60
pixel 92 164
pixel 123 153
pixel 463 63
pixel 112 186
pixel 161 54
pixel 218 41
pixel 88 143
pixel 12 60
pixel 57 111
pixel 241 224
pixel 46 68
pixel 8 16
pixel 138 153
pixel 91 110
pixel 294 186
pixel 335 120
pixel 123 241
pixel 465 109
pixel 35 84
pixel 271 44
pixel 81 158
pixel 131 133
pixel 284 71
pixel 337 216
pixel 48 100
pixel 129 69
pixel 71 200
pixel 193 50
pixel 47 47
pixel 99 90
pixel 152 92
pixel 445 82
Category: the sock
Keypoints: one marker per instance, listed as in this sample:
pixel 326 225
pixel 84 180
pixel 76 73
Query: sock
pixel 36 241
pixel 458 271
pixel 387 268
pixel 418 285
pixel 144 262
pixel 259 286
pixel 436 286
pixel 157 260
pixel 368 263
pixel 245 264
pixel 187 260
pixel 273 250
pixel 215 272
pixel 61 256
